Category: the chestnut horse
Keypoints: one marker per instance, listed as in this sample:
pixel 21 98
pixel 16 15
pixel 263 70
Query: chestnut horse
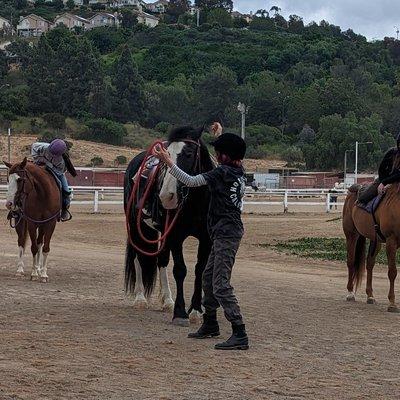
pixel 359 225
pixel 34 198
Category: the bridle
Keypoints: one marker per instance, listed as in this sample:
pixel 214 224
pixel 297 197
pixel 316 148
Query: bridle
pixel 169 221
pixel 20 198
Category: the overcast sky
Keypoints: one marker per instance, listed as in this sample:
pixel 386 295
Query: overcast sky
pixel 374 19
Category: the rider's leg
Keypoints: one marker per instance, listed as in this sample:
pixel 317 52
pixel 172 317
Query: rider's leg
pixel 66 196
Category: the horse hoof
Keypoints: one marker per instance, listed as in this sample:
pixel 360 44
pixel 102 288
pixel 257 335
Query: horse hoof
pixel 44 279
pixel 168 306
pixel 181 322
pixel 140 304
pixel 195 317
pixel 393 309
pixel 20 274
pixel 351 297
pixel 371 300
pixel 34 278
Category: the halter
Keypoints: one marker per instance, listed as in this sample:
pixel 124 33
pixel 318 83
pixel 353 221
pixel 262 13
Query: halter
pixel 169 224
pixel 22 197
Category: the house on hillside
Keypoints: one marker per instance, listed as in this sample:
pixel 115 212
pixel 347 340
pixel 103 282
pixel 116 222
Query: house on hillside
pixel 72 21
pixel 147 19
pixel 158 7
pixel 103 19
pixel 33 25
pixel 247 17
pixel 5 26
pixel 127 3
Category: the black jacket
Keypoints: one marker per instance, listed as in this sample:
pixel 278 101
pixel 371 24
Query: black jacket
pixel 386 173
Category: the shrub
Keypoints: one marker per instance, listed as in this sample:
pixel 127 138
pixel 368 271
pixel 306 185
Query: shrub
pixel 96 161
pixel 163 127
pixel 293 155
pixel 121 160
pixel 104 130
pixel 54 120
pixel 49 136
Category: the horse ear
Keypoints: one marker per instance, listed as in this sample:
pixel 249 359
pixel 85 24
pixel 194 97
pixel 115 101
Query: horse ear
pixel 7 164
pixel 23 164
pixel 198 132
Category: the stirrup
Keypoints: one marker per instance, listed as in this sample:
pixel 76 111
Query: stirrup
pixel 66 219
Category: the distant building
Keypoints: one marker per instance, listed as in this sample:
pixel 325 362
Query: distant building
pixel 5 26
pixel 127 3
pixel 33 25
pixel 72 21
pixel 103 19
pixel 247 17
pixel 147 19
pixel 158 7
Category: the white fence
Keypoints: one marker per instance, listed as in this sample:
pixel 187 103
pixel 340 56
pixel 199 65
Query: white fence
pixel 286 199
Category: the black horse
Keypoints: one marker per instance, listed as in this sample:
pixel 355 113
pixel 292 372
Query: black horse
pixel 191 155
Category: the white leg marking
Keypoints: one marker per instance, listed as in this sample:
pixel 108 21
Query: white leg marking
pixel 34 273
pixel 43 268
pixel 140 301
pixel 165 291
pixel 20 263
pixel 351 296
pixel 39 257
pixel 195 317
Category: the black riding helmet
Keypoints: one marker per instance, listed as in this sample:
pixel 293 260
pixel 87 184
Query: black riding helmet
pixel 230 144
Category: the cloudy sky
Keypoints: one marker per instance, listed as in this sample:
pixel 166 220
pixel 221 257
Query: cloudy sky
pixel 374 19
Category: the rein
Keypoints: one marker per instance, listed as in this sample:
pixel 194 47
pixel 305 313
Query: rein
pixel 21 214
pixel 169 223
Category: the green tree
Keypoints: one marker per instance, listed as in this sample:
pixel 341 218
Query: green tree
pixel 220 16
pixel 129 19
pixel 70 4
pixel 176 8
pixel 209 4
pixel 214 94
pixel 129 98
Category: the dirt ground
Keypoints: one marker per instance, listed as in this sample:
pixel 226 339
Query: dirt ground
pixel 78 337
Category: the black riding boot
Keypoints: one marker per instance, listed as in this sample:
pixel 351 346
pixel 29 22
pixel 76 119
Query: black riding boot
pixel 238 340
pixel 208 329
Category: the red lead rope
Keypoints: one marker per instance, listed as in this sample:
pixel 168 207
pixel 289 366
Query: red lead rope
pixel 168 225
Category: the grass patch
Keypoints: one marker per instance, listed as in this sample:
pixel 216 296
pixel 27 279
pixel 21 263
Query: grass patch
pixel 333 249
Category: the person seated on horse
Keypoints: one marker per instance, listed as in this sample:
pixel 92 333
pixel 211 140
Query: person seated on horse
pixel 389 172
pixel 55 157
pixel 227 185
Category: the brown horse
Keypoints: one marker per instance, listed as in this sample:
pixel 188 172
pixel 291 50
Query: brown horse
pixel 358 225
pixel 34 198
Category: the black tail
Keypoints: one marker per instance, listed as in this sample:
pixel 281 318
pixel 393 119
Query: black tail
pixel 148 264
pixel 359 261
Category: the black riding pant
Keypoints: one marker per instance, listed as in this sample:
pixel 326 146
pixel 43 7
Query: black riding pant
pixel 217 280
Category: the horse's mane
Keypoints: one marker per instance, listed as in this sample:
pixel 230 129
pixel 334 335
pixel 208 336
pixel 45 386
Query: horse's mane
pixel 184 132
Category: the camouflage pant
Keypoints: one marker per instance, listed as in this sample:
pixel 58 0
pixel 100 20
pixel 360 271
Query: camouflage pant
pixel 217 280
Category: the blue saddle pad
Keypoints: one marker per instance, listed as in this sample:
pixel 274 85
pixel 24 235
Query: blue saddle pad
pixel 372 205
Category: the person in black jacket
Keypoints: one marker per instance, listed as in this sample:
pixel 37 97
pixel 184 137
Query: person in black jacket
pixel 389 172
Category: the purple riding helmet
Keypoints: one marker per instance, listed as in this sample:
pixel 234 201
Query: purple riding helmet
pixel 57 147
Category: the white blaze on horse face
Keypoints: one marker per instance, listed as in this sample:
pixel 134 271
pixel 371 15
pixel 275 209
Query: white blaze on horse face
pixel 12 190
pixel 169 190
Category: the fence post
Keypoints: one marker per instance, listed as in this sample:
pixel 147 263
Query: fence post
pixel 285 202
pixel 328 202
pixel 96 201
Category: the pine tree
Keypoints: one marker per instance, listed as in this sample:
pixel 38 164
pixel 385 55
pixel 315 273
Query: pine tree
pixel 129 100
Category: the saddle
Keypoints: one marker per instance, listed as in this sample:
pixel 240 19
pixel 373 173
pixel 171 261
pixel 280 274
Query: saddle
pixel 370 207
pixel 152 209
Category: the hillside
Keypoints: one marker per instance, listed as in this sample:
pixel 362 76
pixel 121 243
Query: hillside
pixel 83 151
pixel 311 91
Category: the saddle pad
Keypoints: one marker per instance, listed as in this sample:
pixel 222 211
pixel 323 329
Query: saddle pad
pixel 372 205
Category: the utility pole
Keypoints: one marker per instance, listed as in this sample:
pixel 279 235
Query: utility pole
pixel 397 32
pixel 345 166
pixel 9 144
pixel 198 16
pixel 356 164
pixel 243 111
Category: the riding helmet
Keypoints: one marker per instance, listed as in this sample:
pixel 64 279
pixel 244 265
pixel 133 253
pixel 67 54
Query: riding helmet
pixel 57 147
pixel 230 144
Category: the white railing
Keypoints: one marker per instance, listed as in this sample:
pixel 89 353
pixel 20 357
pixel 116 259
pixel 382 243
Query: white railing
pixel 285 198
